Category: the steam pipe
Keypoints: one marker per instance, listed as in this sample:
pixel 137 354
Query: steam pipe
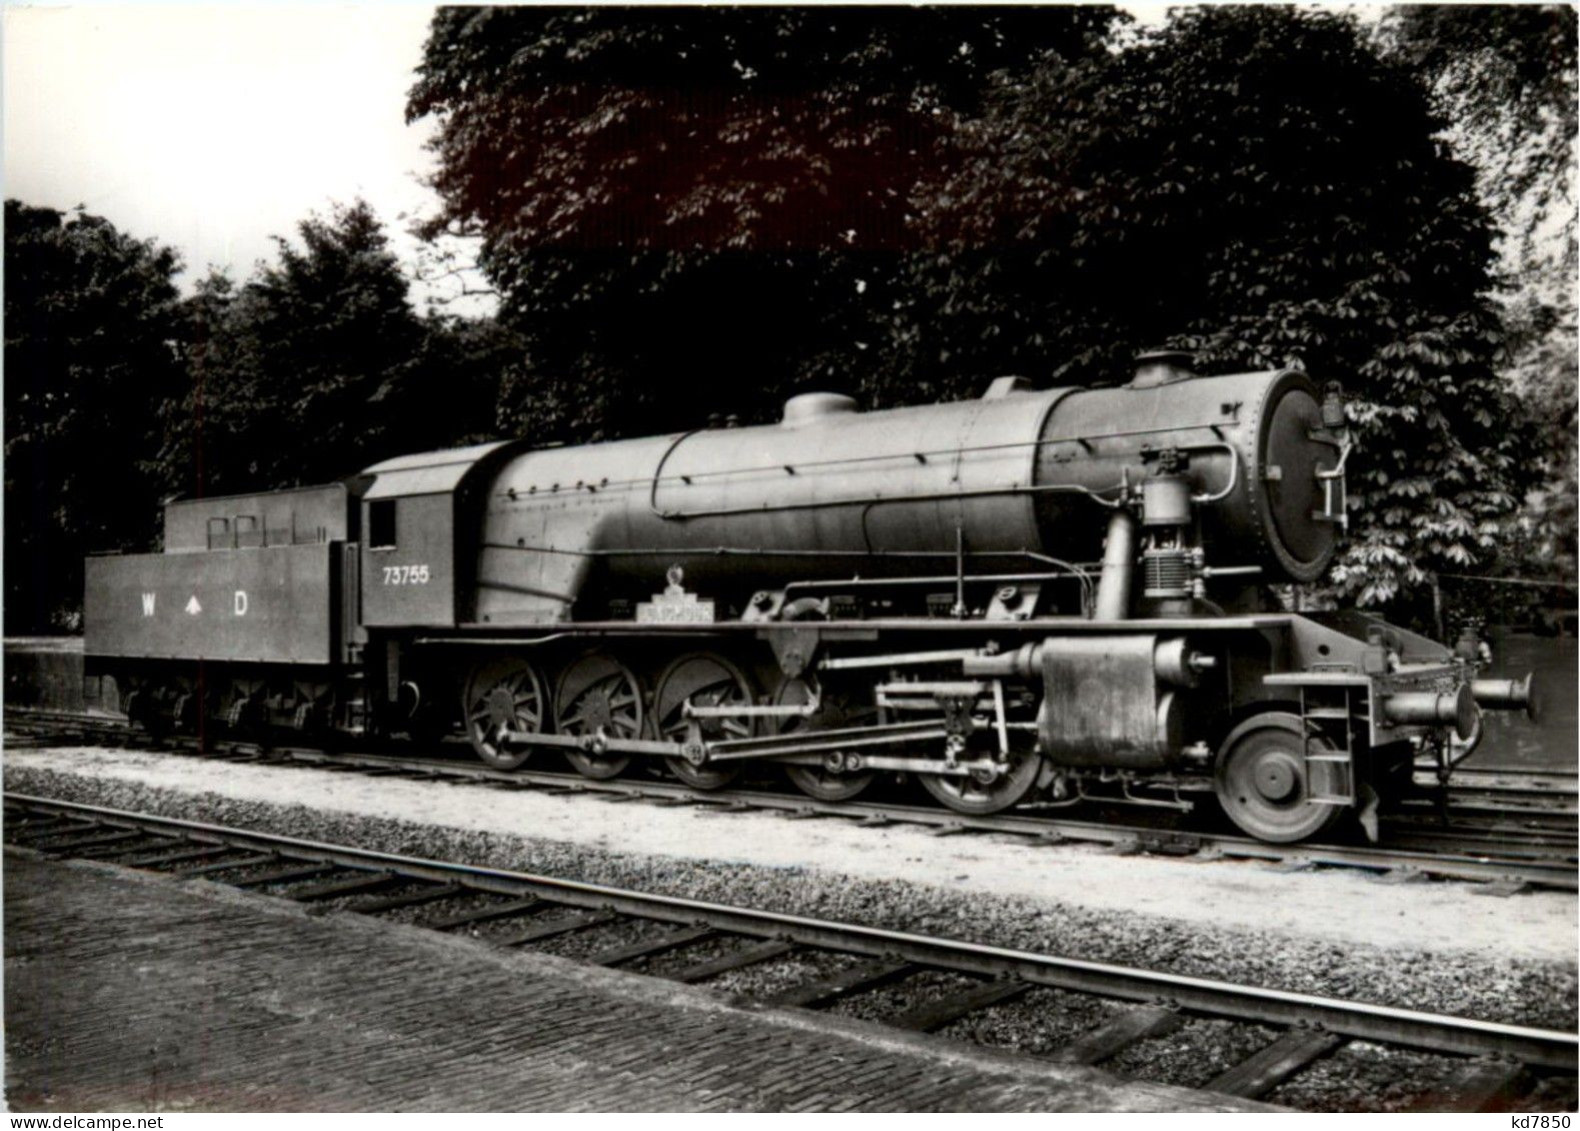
pixel 1119 568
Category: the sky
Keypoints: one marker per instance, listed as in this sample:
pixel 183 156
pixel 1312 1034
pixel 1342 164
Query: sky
pixel 213 127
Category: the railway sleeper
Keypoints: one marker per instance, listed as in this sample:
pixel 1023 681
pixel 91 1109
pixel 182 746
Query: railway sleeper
pixel 1119 1033
pixel 286 874
pixel 430 894
pixel 1486 1084
pixel 125 848
pixel 75 847
pixel 936 1014
pixel 248 860
pixel 488 913
pixel 739 960
pixel 853 979
pixel 649 948
pixel 175 855
pixel 564 925
pixel 1270 1066
pixel 348 885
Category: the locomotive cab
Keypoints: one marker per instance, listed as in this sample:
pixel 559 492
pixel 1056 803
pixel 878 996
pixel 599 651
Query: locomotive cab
pixel 418 512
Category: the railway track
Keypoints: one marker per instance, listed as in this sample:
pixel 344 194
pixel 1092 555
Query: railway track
pixel 1507 849
pixel 691 941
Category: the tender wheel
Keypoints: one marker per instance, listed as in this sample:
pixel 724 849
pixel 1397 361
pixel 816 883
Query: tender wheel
pixel 706 679
pixel 140 704
pixel 966 794
pixel 819 781
pixel 313 709
pixel 502 695
pixel 599 692
pixel 246 715
pixel 1261 780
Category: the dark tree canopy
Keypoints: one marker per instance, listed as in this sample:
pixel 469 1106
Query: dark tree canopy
pixel 311 369
pixel 1507 72
pixel 707 127
pixel 90 328
pixel 699 196
pixel 1506 77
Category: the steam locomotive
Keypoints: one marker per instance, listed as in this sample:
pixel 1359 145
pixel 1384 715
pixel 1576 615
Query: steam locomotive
pixel 1047 595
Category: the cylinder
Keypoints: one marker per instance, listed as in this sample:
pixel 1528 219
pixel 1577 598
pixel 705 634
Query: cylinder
pixel 1119 568
pixel 1102 705
pixel 1507 695
pixel 1434 708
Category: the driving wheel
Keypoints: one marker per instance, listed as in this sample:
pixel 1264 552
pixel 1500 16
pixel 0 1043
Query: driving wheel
pixel 705 679
pixel 818 781
pixel 978 794
pixel 502 696
pixel 599 693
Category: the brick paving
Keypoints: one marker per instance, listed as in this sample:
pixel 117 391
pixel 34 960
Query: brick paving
pixel 129 992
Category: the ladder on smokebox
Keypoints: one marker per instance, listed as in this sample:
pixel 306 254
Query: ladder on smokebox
pixel 1341 782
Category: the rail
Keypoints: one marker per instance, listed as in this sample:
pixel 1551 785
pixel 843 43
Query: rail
pixel 1545 1049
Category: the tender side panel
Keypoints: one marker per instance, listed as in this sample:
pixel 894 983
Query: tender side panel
pixel 273 605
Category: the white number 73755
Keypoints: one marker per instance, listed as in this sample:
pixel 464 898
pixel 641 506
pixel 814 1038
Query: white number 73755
pixel 406 575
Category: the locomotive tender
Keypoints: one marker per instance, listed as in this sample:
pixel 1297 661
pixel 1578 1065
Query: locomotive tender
pixel 1055 594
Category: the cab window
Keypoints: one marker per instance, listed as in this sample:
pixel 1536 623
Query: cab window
pixel 381 524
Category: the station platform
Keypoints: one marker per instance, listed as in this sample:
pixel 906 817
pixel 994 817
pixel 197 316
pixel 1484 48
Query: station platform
pixel 133 992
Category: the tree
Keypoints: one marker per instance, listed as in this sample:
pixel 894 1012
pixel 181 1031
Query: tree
pixel 1505 75
pixel 1505 78
pixel 1255 184
pixel 90 327
pixel 307 371
pixel 456 380
pixel 718 196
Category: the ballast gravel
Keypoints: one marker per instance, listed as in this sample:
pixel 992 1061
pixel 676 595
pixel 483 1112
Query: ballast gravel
pixel 1477 984
pixel 896 998
pixel 764 979
pixel 1040 1022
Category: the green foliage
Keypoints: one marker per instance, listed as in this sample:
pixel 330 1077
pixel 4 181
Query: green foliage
pixel 318 365
pixel 90 323
pixel 713 199
pixel 1256 185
